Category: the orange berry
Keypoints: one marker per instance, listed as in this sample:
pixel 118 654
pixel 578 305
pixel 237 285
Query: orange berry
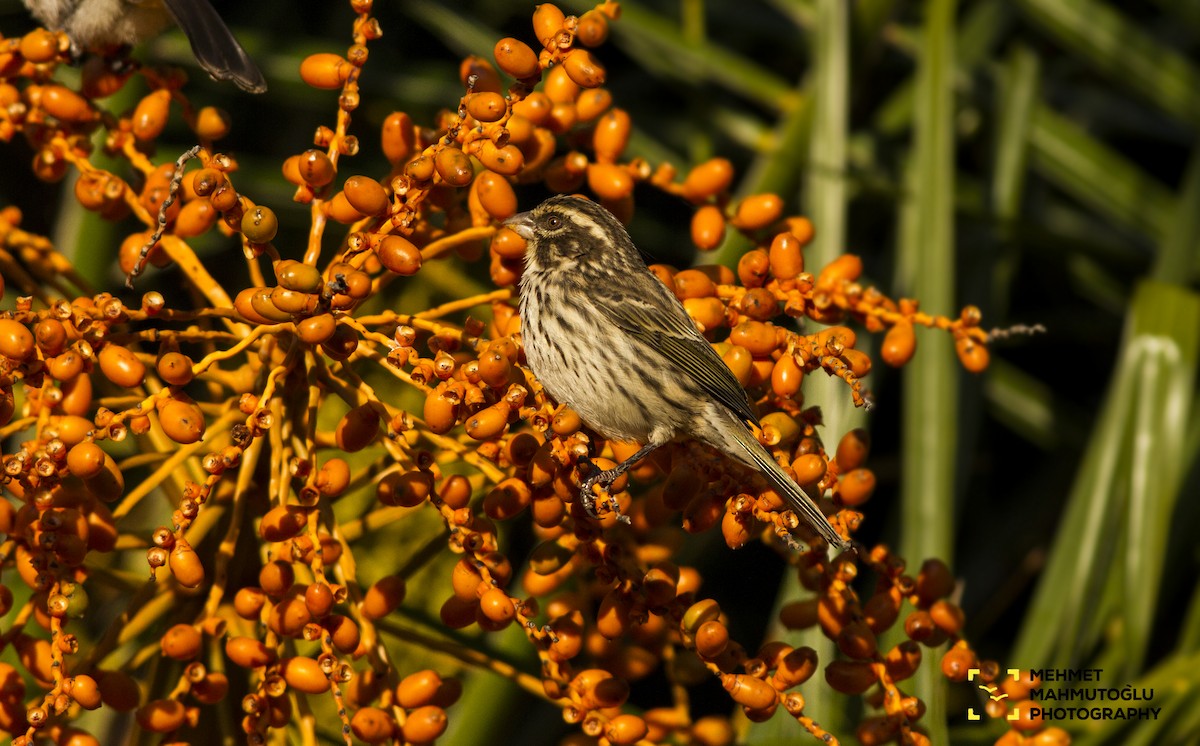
pixel 357 428
pixel 85 459
pixel 846 268
pixel 259 224
pixel 383 597
pixel 212 123
pixel 611 135
pixel 487 106
pixel 786 257
pixel 418 689
pixel 316 329
pixel 535 108
pixel 249 653
pixel 712 639
pixel 757 211
pixel 852 450
pixel 947 616
pixel 584 68
pixel 194 219
pixel 283 522
pixel 162 715
pixel 372 725
pixel 489 422
pixel 626 729
pixel 249 602
pixel 592 29
pixel 181 642
pixel 108 484
pixel 297 276
pixel 404 489
pixel 398 137
pixel 692 283
pixel 182 421
pixel 276 578
pixel 881 610
pixel 796 667
pixel 508 160
pixel 516 58
pixel 708 179
pixel 150 117
pixel 740 363
pixel 958 661
pixel 708 227
pixel 304 674
pixel 592 103
pixel 16 342
pixel 118 690
pixel 39 45
pixel 486 78
pixel 424 724
pixel 315 168
pixel 609 182
pixel 185 564
pixel 85 691
pixel 547 22
pixel 344 632
pixel 366 195
pixel 934 581
pixel 497 606
pixel 325 71
pixel 454 166
pixel 899 344
pixel 850 677
pixel 973 355
pixel 496 196
pixel 857 640
pixel 64 104
pixel 756 336
pixel 559 87
pixel 121 366
pixel 708 312
pixel 613 617
pixel 399 255
pixel 507 499
pixel 748 691
pixel 809 468
pixel 334 477
pixel 855 487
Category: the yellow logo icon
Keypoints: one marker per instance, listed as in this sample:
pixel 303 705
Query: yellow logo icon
pixel 991 690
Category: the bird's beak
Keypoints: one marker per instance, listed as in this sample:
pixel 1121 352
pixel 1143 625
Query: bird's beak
pixel 521 224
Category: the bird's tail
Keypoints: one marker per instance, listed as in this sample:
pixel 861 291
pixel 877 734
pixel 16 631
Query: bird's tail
pixel 214 46
pixel 752 452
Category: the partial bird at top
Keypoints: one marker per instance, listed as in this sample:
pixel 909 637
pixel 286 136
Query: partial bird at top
pixel 98 24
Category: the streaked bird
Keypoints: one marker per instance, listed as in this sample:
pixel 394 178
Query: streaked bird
pixel 608 339
pixel 101 24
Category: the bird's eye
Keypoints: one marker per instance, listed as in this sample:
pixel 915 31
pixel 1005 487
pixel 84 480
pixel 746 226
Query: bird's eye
pixel 553 222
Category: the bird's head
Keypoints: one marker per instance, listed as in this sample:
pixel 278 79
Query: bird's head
pixel 572 232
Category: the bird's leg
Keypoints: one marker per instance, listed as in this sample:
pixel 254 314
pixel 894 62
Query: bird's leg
pixel 605 478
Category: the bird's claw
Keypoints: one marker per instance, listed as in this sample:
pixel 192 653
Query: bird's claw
pixel 605 479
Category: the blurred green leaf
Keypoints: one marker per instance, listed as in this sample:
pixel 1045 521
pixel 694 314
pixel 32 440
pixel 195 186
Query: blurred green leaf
pixel 1099 176
pixel 1119 511
pixel 1124 52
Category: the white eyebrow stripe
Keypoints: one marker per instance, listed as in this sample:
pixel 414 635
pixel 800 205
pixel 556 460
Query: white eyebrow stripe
pixel 587 223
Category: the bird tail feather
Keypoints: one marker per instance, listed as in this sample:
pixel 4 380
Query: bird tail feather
pixel 787 487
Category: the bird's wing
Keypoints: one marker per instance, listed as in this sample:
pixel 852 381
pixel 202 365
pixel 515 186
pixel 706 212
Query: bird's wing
pixel 214 46
pixel 673 336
